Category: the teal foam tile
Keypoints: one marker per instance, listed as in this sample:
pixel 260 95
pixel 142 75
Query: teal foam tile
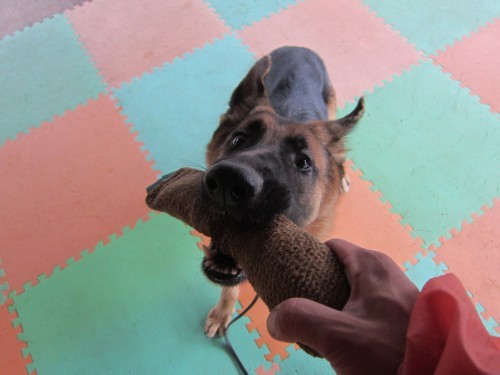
pixel 45 72
pixel 430 148
pixel 433 25
pixel 4 286
pixel 490 324
pixel 424 270
pixel 299 362
pixel 134 306
pixel 176 109
pixel 17 15
pixel 240 13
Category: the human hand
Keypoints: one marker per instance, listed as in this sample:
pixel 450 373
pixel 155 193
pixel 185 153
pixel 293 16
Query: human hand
pixel 368 335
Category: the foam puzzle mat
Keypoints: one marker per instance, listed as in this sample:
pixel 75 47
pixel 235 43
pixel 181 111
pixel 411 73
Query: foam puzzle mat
pixel 98 98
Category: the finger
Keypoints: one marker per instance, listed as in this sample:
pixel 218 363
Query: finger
pixel 354 256
pixel 344 249
pixel 359 260
pixel 370 271
pixel 313 324
pixel 350 255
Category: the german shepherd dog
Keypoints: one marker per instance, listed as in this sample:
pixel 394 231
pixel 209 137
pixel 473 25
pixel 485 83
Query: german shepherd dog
pixel 277 150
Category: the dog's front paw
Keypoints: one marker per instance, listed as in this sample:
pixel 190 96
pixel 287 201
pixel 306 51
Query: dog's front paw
pixel 217 321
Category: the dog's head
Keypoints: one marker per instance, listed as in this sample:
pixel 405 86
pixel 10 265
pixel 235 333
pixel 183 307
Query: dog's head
pixel 261 164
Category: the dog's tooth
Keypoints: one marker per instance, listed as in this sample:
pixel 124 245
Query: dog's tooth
pixel 234 272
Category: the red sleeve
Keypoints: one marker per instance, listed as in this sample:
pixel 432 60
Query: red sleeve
pixel 445 334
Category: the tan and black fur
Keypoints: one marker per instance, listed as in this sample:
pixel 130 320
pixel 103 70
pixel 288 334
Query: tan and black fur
pixel 278 150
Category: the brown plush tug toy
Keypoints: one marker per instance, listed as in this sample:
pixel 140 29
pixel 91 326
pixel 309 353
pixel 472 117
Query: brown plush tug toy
pixel 280 259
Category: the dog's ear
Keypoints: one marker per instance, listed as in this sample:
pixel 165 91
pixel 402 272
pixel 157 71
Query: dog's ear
pixel 335 131
pixel 339 128
pixel 251 90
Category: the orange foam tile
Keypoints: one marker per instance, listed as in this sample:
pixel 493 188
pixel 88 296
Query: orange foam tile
pixel 359 49
pixel 258 321
pixel 203 240
pixel 11 358
pixel 473 254
pixel 126 38
pixel 68 185
pixel 275 369
pixel 474 62
pixel 363 219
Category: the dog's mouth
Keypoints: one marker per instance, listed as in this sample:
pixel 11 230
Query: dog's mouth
pixel 273 200
pixel 221 269
pixel 243 210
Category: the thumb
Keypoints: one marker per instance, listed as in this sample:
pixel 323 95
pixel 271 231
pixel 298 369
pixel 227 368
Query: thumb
pixel 311 323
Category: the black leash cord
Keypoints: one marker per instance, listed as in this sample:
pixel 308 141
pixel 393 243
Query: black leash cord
pixel 228 343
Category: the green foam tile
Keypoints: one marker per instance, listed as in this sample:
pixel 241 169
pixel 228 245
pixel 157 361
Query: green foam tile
pixel 44 72
pixel 4 288
pixel 431 149
pixel 134 306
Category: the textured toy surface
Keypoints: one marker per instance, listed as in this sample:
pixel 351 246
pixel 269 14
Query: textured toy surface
pixel 280 259
pixel 100 97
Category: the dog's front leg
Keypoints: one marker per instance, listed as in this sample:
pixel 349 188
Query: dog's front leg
pixel 219 317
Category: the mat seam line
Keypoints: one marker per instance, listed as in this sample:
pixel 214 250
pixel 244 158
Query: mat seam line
pixel 26 354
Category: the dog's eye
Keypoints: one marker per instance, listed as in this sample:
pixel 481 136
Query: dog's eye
pixel 237 141
pixel 303 163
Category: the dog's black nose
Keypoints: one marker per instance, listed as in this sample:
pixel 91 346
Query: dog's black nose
pixel 229 184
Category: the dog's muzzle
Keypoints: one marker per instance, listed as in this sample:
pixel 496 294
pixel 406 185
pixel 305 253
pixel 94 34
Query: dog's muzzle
pixel 229 185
